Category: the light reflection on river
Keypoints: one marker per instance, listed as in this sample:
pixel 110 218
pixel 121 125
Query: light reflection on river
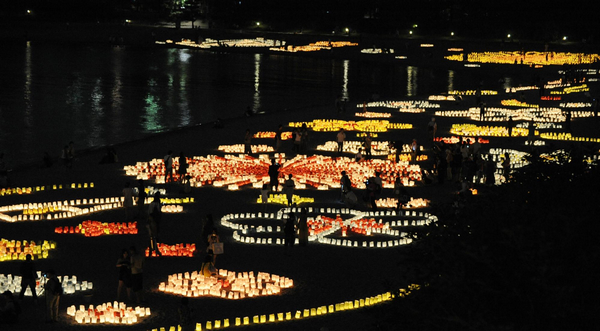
pixel 103 95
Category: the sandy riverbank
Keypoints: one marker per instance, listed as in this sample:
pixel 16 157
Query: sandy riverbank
pixel 323 275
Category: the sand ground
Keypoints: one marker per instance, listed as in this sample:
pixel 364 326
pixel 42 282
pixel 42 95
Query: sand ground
pixel 323 275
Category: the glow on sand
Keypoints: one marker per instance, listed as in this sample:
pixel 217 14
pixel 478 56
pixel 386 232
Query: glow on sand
pixel 366 125
pixel 91 228
pixel 322 172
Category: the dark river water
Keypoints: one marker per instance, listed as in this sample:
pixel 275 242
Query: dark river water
pixel 99 95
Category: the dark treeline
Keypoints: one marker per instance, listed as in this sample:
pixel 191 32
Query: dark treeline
pixel 536 19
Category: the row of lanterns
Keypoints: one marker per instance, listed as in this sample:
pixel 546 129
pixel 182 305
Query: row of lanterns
pixel 30 189
pixel 58 209
pixel 107 313
pixel 302 313
pixel 517 103
pixel 325 125
pixel 567 137
pixel 403 104
pixel 313 47
pixel 282 199
pixel 70 285
pixel 286 135
pixel 180 250
pixel 441 98
pixel 487 130
pixel 322 172
pixel 528 58
pixel 455 140
pixel 91 228
pixel 370 114
pixel 11 250
pixel 393 203
pixel 239 148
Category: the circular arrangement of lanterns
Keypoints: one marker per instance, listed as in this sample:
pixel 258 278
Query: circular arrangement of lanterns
pixel 324 229
pixel 227 285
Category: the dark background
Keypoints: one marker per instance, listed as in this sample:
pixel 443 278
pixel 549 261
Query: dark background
pixel 545 21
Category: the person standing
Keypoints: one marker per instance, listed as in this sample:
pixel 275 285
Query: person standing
pixel 304 139
pixel 154 220
pixel 248 142
pixel 368 143
pixel 278 138
pixel 128 201
pixel 288 189
pixel 264 195
pixel 124 265
pixel 137 273
pixel 28 277
pixel 183 166
pixel 303 228
pixel 432 128
pixel 273 173
pixel 400 193
pixel 341 137
pixel 53 290
pixel 506 167
pixel 345 185
pixel 215 246
pixel 141 201
pixel 297 137
pixel 168 160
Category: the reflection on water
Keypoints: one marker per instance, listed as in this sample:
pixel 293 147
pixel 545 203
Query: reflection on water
pixel 345 94
pixel 411 81
pixel 151 120
pixel 256 103
pixel 96 115
pixel 104 95
pixel 27 90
